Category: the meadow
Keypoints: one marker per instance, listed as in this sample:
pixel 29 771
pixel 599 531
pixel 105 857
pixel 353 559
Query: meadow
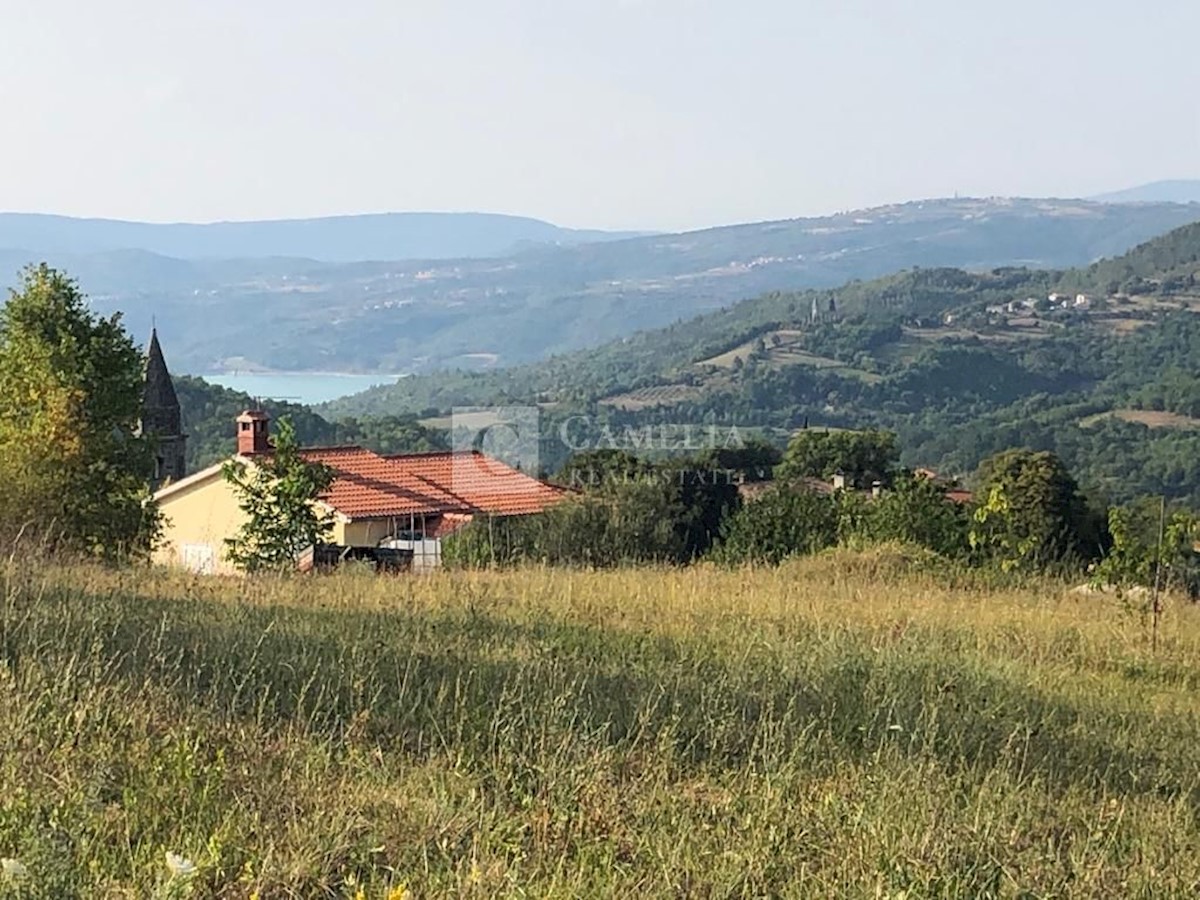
pixel 843 726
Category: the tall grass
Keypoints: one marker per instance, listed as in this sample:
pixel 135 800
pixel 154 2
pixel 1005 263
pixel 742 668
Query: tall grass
pixel 836 727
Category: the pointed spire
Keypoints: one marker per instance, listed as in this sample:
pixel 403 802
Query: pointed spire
pixel 160 405
pixel 162 417
pixel 159 390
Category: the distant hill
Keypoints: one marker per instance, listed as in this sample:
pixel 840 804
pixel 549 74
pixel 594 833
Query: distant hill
pixel 1097 363
pixel 426 315
pixel 414 235
pixel 1162 273
pixel 1179 191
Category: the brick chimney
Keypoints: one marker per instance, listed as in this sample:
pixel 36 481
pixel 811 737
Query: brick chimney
pixel 253 433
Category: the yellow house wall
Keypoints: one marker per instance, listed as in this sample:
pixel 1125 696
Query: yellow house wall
pixel 198 517
pixel 197 520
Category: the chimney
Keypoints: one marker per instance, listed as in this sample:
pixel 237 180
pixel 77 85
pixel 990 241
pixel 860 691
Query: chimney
pixel 876 489
pixel 253 433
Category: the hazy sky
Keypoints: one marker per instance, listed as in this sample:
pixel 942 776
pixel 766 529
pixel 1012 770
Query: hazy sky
pixel 605 113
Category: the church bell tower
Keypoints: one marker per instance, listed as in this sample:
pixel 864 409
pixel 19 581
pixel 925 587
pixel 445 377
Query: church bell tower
pixel 161 418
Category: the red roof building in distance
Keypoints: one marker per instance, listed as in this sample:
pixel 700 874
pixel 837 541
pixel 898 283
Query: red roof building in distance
pixel 481 483
pixel 427 494
pixel 406 502
pixel 367 485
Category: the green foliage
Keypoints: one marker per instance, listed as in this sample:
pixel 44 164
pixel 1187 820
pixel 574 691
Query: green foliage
pixel 600 469
pixel 1176 391
pixel 782 523
pixel 787 521
pixel 209 411
pixel 75 471
pixel 631 523
pixel 1172 259
pixel 861 456
pixel 754 461
pixel 630 511
pixel 914 510
pixel 1134 559
pixel 1030 514
pixel 954 393
pixel 848 340
pixel 389 434
pixel 278 493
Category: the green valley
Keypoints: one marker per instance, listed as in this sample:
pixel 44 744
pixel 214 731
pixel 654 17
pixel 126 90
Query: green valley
pixel 961 364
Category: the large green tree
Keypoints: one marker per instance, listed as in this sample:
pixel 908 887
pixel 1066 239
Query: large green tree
pixel 74 470
pixel 861 456
pixel 915 511
pixel 779 524
pixel 279 494
pixel 1030 513
pixel 1151 544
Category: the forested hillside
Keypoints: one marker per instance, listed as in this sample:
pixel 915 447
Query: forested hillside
pixel 1098 364
pixel 209 411
pixel 424 314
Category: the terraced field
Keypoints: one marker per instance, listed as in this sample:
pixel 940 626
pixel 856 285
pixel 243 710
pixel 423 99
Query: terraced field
pixel 1151 418
pixel 650 397
pixel 783 348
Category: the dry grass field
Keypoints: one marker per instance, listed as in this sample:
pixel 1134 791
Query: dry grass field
pixel 839 727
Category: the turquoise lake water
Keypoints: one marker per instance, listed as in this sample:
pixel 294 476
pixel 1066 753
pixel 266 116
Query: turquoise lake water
pixel 298 387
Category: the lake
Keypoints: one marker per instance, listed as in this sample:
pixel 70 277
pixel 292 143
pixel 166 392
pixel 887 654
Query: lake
pixel 298 387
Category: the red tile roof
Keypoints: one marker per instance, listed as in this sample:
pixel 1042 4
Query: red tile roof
pixel 372 486
pixel 481 483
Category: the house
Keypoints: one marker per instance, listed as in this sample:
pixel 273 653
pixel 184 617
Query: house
pixel 407 502
pixel 954 493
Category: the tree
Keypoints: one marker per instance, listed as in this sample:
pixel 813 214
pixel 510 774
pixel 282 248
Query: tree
pixel 783 522
pixel 279 494
pixel 1030 513
pixel 915 511
pixel 596 469
pixel 754 461
pixel 1137 557
pixel 862 456
pixel 74 468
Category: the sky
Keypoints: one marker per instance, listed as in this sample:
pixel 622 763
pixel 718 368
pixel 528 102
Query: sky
pixel 646 114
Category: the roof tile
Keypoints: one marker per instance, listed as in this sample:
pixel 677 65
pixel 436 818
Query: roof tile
pixel 482 483
pixel 368 485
